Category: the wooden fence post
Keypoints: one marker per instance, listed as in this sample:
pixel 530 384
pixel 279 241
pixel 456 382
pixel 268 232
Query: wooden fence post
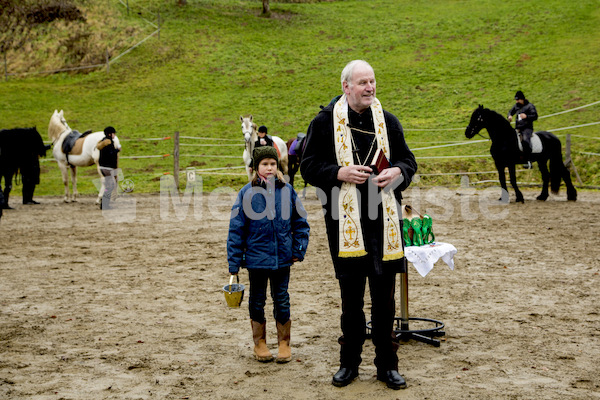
pixel 569 161
pixel 176 160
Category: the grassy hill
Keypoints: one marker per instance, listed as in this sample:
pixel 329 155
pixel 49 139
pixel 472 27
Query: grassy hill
pixel 435 61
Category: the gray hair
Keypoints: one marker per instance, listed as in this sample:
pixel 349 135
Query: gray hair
pixel 349 70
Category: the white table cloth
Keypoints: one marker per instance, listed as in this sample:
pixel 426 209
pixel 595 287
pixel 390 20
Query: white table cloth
pixel 424 257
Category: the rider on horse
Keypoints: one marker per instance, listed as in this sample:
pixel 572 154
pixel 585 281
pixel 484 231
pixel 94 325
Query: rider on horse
pixel 263 138
pixel 526 114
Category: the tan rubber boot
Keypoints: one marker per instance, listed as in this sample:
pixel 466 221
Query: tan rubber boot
pixel 283 338
pixel 259 335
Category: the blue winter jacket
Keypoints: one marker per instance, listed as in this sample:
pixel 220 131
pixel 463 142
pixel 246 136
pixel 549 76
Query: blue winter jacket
pixel 267 228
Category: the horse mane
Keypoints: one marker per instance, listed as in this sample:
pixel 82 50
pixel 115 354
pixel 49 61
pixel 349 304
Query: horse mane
pixel 499 117
pixel 55 127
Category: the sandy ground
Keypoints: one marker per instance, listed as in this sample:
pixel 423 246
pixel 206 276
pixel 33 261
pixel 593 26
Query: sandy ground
pixel 129 305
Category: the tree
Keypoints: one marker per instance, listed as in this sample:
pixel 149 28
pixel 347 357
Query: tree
pixel 266 8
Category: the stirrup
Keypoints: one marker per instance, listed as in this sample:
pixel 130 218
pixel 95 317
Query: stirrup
pixel 527 165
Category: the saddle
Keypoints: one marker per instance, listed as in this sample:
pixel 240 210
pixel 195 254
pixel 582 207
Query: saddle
pixel 536 143
pixel 70 145
pixel 299 147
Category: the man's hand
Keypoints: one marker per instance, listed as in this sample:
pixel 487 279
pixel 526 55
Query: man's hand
pixel 354 174
pixel 522 115
pixel 387 176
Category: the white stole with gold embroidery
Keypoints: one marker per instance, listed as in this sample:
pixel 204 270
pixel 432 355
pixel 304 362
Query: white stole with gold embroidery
pixel 351 243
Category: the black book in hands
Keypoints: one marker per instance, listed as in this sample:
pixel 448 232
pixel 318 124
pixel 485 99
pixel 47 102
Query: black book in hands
pixel 380 162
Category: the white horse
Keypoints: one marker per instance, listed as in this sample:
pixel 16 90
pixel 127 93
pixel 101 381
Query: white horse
pixel 249 129
pixel 83 154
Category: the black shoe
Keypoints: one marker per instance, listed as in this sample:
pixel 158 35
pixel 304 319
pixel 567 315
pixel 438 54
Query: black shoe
pixel 392 379
pixel 344 376
pixel 31 202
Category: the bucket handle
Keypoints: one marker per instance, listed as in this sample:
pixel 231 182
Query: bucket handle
pixel 231 281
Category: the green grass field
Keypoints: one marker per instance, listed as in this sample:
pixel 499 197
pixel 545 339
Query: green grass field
pixel 435 61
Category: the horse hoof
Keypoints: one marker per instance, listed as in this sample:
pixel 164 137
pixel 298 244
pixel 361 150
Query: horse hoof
pixel 521 200
pixel 542 197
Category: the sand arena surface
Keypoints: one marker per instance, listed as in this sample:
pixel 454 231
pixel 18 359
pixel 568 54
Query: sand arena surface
pixel 96 309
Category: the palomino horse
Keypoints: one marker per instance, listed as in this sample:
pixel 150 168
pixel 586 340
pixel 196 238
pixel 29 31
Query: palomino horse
pixel 83 154
pixel 506 153
pixel 249 129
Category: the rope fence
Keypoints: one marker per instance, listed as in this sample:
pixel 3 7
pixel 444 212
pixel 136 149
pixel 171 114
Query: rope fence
pixel 221 170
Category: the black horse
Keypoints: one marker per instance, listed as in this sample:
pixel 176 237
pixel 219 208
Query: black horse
pixel 20 149
pixel 506 153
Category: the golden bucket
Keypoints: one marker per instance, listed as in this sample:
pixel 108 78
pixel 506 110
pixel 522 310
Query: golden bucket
pixel 234 292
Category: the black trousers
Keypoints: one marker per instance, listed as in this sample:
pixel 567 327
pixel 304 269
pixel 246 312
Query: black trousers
pixel 526 140
pixel 353 321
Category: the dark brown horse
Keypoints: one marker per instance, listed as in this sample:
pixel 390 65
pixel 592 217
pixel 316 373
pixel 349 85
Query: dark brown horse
pixel 293 161
pixel 295 147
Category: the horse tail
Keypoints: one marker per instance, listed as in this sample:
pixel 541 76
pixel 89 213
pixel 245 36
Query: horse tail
pixel 556 164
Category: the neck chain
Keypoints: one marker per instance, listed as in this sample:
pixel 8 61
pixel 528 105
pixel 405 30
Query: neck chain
pixel 356 148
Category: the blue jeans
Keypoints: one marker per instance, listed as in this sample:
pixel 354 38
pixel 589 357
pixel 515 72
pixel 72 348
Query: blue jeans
pixel 280 279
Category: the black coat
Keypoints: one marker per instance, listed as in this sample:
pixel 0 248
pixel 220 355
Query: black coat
pixel 319 168
pixel 109 155
pixel 528 109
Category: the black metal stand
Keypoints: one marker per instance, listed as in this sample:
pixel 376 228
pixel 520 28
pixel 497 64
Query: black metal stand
pixel 402 330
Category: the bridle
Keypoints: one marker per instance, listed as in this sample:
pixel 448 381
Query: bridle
pixel 477 127
pixel 247 130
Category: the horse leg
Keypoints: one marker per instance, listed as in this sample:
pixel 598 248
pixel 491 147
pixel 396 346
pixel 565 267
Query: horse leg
pixel 293 168
pixel 571 191
pixel 65 178
pixel 542 164
pixel 504 197
pixel 558 171
pixel 74 183
pixel 6 191
pixel 513 182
